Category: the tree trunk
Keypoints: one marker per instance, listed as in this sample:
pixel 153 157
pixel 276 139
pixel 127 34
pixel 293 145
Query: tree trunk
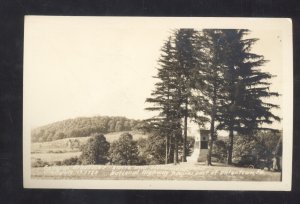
pixel 175 150
pixel 231 125
pixel 212 127
pixel 211 141
pixel 170 152
pixel 210 146
pixel 230 148
pixel 167 146
pixel 185 132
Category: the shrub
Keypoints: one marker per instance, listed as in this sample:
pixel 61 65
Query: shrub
pixel 144 156
pixel 71 161
pixel 261 145
pixel 39 163
pixel 151 150
pixel 58 163
pixel 219 151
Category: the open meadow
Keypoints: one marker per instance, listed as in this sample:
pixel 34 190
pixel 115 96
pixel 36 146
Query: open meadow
pixel 59 150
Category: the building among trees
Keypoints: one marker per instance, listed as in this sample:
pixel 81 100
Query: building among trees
pixel 200 147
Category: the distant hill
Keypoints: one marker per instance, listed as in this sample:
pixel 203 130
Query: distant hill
pixel 83 127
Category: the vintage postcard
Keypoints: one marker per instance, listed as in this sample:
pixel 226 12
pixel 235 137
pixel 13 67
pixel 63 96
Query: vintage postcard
pixel 158 103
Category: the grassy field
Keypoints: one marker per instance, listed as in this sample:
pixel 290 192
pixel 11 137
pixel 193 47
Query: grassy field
pixel 53 157
pixel 62 144
pixel 183 171
pixel 59 150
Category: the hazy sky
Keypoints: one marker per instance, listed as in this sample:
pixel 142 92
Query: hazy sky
pixel 87 66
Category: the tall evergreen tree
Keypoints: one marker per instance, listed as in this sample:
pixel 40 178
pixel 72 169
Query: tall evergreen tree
pixel 209 81
pixel 246 86
pixel 165 101
pixel 186 62
pixel 173 92
pixel 215 74
pixel 231 85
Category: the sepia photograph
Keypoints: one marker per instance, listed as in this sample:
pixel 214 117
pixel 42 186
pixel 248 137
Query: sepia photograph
pixel 183 103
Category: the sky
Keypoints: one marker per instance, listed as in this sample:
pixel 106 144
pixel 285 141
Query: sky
pixel 77 67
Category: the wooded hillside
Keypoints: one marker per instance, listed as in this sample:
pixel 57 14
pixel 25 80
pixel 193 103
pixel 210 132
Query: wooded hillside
pixel 82 127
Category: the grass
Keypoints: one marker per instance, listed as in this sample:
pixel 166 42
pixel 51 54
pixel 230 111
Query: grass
pixel 58 150
pixel 62 144
pixel 56 145
pixel 182 171
pixel 53 157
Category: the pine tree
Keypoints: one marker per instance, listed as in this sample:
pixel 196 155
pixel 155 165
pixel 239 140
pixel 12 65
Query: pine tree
pixel 209 82
pixel 165 101
pixel 173 93
pixel 232 87
pixel 186 62
pixel 246 87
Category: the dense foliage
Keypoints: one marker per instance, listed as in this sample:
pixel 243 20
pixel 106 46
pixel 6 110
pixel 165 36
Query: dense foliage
pixel 95 151
pixel 152 149
pixel 82 127
pixel 124 151
pixel 39 163
pixel 70 161
pixel 219 151
pixel 212 77
pixel 173 92
pixel 264 144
